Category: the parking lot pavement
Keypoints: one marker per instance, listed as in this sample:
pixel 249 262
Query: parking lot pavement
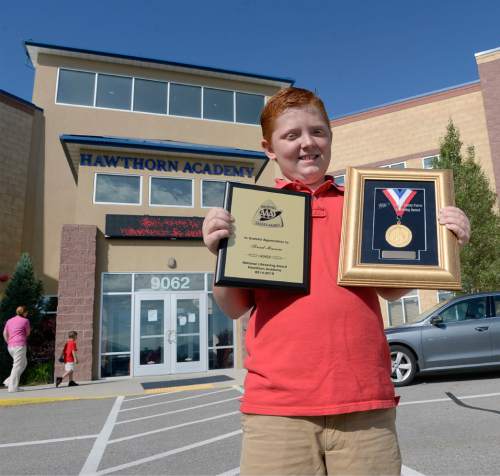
pixel 190 432
pixel 445 427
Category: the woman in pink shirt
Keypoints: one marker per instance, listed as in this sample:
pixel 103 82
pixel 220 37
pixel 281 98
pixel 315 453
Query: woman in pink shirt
pixel 16 332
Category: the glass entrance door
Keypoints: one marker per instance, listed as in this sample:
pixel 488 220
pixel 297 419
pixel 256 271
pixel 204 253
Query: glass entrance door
pixel 170 333
pixel 189 331
pixel 150 356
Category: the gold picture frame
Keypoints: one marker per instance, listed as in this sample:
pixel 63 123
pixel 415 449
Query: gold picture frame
pixel 390 231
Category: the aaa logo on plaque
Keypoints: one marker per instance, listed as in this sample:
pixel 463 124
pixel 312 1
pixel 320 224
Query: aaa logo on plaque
pixel 268 215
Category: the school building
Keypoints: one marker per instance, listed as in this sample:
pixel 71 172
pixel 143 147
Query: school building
pixel 107 174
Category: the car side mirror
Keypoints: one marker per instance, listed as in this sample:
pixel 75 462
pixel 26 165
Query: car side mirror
pixel 436 320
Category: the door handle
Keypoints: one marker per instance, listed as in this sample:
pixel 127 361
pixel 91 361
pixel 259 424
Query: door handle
pixel 171 337
pixel 481 328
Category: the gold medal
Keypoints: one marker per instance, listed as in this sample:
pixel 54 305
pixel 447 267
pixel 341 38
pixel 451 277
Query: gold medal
pixel 398 236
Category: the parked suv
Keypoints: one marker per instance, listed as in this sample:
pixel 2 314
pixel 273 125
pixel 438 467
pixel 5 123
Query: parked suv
pixel 461 333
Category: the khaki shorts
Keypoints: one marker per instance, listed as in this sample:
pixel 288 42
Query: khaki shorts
pixel 69 366
pixel 362 443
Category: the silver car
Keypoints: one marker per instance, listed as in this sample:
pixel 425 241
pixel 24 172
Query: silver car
pixel 461 333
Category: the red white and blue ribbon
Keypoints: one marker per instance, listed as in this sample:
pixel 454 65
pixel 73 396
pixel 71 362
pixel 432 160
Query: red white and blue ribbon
pixel 399 198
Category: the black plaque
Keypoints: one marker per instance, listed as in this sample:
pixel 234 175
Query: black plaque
pixel 270 246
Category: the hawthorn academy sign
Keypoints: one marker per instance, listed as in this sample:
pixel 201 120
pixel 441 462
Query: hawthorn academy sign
pixel 160 165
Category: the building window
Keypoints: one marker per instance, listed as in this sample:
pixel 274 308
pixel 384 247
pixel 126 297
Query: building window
pixel 76 87
pixel 218 104
pixel 117 189
pixel 185 100
pixel 48 306
pixel 397 165
pixel 171 192
pixel 212 193
pixel 248 108
pixel 115 334
pixel 220 337
pixel 150 96
pixel 404 310
pixel 428 162
pixel 114 92
pixel 444 295
pixel 157 97
pixel 117 283
pixel 339 179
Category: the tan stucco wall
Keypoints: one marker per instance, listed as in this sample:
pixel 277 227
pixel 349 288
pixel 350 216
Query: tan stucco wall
pixel 65 202
pixel 139 255
pixel 410 132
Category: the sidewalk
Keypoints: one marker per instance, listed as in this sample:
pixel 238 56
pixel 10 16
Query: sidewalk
pixel 126 386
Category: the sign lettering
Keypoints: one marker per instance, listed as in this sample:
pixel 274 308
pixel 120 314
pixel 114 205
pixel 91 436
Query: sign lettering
pixel 159 165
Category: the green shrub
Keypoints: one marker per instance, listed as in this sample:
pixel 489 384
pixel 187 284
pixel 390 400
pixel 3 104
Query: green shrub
pixel 38 373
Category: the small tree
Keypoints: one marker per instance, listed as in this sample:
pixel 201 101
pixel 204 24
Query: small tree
pixel 480 259
pixel 23 289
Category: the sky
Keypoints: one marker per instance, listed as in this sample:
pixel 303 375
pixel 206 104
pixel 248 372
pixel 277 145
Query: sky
pixel 355 54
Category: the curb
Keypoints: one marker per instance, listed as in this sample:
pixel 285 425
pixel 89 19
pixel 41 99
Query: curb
pixel 13 402
pixel 201 386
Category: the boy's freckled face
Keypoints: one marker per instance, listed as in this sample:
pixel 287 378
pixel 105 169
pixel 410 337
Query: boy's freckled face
pixel 301 144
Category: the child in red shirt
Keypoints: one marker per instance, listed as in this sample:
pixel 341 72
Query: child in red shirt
pixel 70 359
pixel 318 396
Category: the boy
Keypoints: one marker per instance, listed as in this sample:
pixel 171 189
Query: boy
pixel 318 395
pixel 70 359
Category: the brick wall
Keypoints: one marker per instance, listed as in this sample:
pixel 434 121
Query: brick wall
pixel 15 147
pixel 77 280
pixel 489 72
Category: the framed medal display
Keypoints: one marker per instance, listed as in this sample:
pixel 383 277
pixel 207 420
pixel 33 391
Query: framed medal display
pixel 390 233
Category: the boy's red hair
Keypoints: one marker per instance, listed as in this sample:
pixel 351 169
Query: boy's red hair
pixel 285 99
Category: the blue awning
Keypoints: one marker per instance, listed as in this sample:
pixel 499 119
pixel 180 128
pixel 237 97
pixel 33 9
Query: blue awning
pixel 73 146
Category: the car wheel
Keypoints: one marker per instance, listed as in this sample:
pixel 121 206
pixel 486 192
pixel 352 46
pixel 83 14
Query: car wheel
pixel 403 365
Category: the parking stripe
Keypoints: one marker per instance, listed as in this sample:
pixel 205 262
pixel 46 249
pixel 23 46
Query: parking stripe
pixel 95 455
pixel 448 399
pixel 405 471
pixel 44 442
pixel 160 430
pixel 162 394
pixel 231 472
pixel 170 401
pixel 121 422
pixel 168 453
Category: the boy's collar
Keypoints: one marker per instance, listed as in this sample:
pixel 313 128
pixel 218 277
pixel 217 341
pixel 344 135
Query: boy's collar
pixel 300 187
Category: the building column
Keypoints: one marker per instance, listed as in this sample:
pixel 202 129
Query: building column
pixel 77 280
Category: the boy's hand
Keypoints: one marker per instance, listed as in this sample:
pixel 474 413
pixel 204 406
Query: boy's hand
pixel 455 220
pixel 216 226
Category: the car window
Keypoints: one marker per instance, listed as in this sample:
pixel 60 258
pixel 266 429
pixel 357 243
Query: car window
pixel 465 310
pixel 496 305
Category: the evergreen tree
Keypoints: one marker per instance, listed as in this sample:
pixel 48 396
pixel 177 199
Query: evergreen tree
pixel 23 289
pixel 480 259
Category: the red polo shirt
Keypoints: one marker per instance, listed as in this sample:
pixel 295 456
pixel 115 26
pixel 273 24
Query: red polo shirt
pixel 321 353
